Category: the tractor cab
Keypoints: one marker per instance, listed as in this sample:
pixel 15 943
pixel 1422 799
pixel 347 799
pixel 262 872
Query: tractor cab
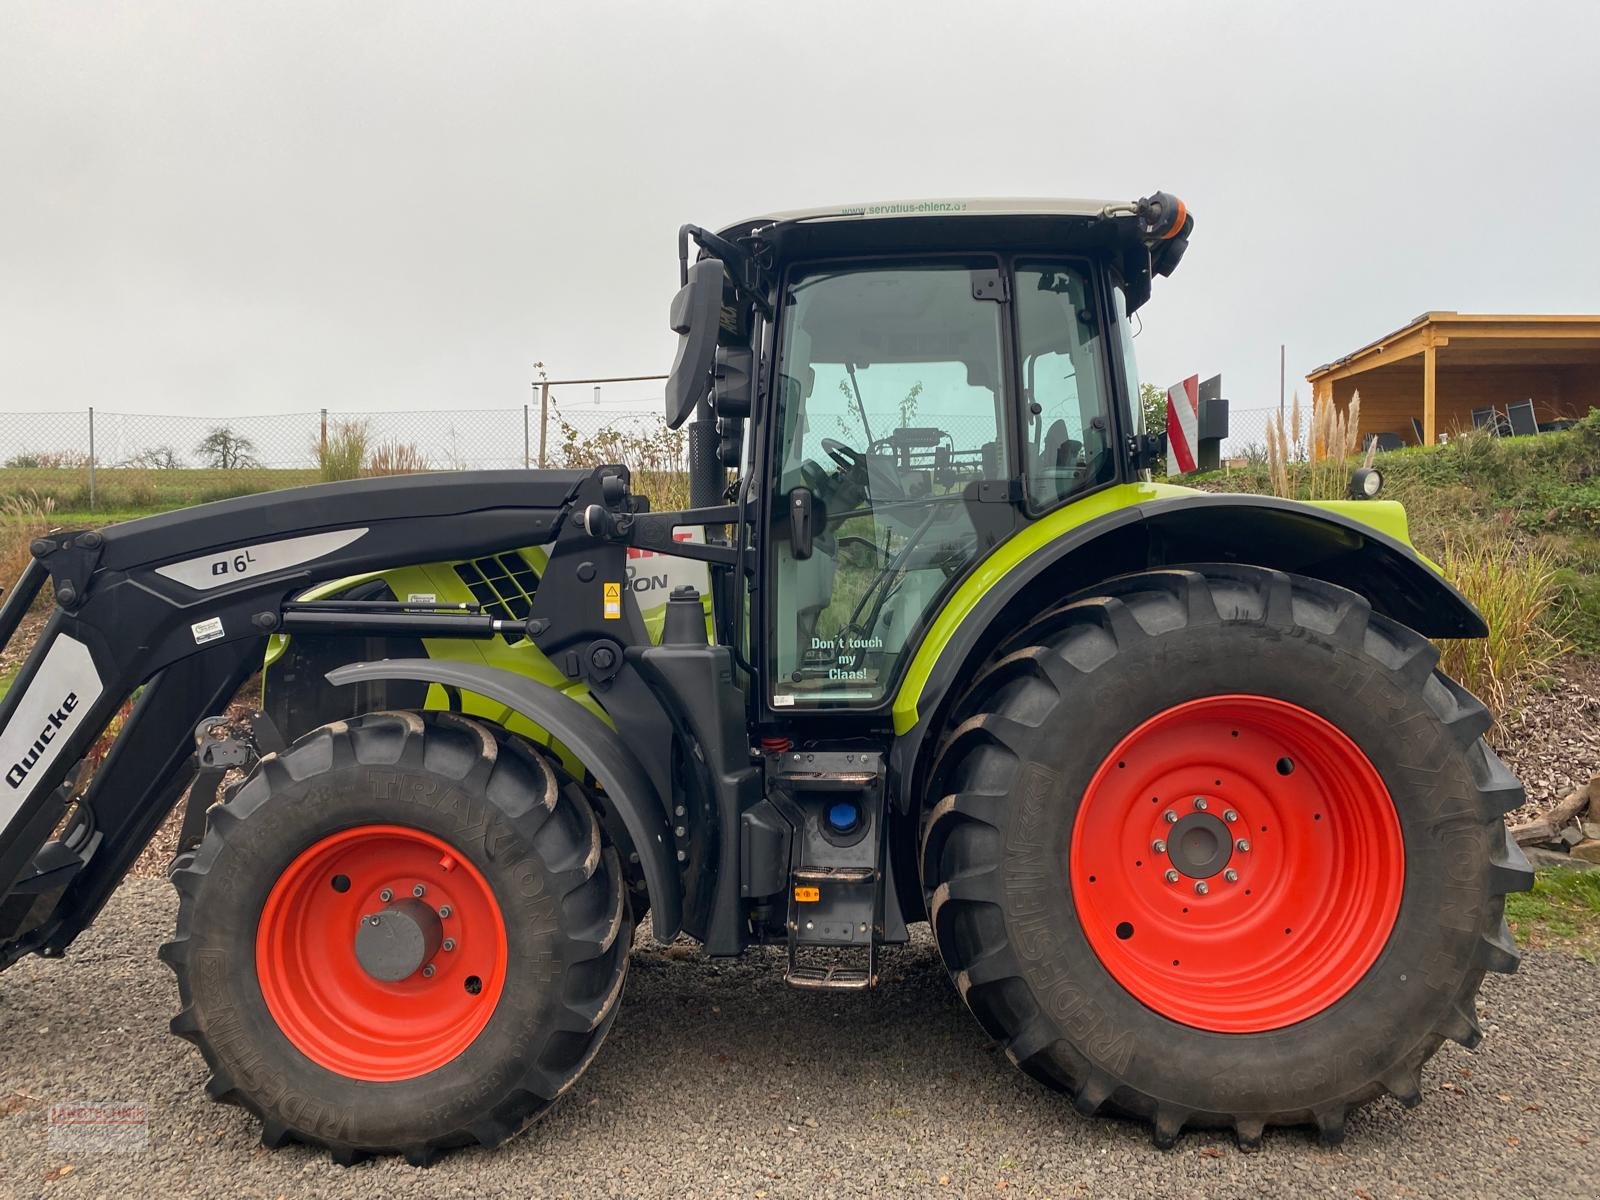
pixel 903 387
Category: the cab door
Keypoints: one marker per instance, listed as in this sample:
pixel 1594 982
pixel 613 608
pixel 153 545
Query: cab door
pixel 889 461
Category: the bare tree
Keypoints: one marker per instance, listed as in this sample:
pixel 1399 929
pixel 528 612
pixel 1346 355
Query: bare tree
pixel 226 450
pixel 154 458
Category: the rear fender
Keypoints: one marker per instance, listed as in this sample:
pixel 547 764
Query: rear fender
pixel 1359 545
pixel 583 734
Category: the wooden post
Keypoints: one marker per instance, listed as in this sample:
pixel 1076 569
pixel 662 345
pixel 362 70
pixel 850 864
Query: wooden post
pixel 322 442
pixel 1430 416
pixel 544 419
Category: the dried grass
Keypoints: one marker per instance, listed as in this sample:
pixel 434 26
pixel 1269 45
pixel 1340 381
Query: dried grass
pixel 23 517
pixel 397 458
pixel 1515 588
pixel 1315 468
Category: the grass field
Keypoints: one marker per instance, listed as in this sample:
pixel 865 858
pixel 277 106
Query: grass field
pixel 1563 909
pixel 132 491
pixel 124 493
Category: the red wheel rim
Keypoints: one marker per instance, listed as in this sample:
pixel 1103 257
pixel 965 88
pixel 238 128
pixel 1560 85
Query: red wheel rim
pixel 1311 863
pixel 326 1003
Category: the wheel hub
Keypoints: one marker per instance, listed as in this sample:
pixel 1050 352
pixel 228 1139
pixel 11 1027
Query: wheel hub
pixel 395 943
pixel 1237 863
pixel 1200 845
pixel 381 952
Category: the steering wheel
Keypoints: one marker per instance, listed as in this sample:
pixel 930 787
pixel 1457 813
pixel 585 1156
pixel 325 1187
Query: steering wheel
pixel 815 477
pixel 865 469
pixel 848 457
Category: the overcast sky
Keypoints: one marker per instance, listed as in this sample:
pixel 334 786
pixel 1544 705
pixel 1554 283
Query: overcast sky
pixel 240 208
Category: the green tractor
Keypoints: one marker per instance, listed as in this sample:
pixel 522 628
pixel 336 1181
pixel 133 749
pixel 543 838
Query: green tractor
pixel 1203 836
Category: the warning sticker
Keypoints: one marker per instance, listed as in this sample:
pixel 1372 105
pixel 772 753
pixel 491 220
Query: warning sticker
pixel 205 631
pixel 613 597
pixel 807 895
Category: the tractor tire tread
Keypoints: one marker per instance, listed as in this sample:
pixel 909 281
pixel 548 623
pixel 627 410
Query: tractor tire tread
pixel 991 727
pixel 584 869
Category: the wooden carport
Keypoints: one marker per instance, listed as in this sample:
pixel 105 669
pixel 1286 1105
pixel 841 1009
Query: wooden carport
pixel 1443 365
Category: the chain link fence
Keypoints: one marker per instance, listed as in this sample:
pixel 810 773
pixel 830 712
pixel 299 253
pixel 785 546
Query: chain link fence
pixel 98 461
pixel 108 462
pixel 1247 435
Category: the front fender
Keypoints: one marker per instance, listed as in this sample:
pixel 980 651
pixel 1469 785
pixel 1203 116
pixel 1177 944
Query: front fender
pixel 584 735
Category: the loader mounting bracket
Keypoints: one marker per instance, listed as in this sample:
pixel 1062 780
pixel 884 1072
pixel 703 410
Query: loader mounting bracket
pixel 71 558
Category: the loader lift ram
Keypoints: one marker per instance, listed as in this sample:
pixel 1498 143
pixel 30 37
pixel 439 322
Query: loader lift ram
pixel 1203 836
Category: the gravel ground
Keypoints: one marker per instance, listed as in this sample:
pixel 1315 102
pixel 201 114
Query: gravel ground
pixel 719 1080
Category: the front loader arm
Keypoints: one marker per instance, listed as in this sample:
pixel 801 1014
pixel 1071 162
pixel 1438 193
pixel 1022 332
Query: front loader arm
pixel 174 611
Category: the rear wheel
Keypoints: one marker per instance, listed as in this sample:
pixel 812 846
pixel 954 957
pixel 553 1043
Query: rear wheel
pixel 1220 848
pixel 405 933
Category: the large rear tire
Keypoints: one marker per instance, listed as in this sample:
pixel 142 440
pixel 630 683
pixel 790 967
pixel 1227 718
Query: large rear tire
pixel 436 838
pixel 1220 848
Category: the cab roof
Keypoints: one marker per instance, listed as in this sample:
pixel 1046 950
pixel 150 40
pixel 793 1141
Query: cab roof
pixel 1124 231
pixel 939 207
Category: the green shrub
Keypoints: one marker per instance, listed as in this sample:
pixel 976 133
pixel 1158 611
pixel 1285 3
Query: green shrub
pixel 1577 607
pixel 343 451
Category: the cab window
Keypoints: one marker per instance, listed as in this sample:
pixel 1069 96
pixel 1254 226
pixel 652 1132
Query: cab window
pixel 1068 434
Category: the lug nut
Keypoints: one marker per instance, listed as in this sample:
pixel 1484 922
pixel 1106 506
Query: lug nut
pixel 1230 875
pixel 418 891
pixel 1242 846
pixel 427 971
pixel 1230 816
pixel 1170 817
pixel 386 895
pixel 1200 803
pixel 1201 888
pixel 450 943
pixel 1172 876
pixel 1159 846
pixel 444 912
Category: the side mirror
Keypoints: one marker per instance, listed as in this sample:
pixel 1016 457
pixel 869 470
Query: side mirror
pixel 696 318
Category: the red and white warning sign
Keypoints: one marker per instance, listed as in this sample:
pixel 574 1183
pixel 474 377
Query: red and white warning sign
pixel 1183 425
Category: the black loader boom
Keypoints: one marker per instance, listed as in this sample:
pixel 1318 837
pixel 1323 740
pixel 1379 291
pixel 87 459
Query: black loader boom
pixel 175 610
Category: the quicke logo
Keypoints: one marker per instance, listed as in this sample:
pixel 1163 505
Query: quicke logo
pixel 19 770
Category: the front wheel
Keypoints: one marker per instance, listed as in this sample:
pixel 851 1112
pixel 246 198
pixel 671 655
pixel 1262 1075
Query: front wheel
pixel 1220 848
pixel 404 933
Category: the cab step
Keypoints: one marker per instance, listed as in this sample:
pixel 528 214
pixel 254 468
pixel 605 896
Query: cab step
pixel 838 977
